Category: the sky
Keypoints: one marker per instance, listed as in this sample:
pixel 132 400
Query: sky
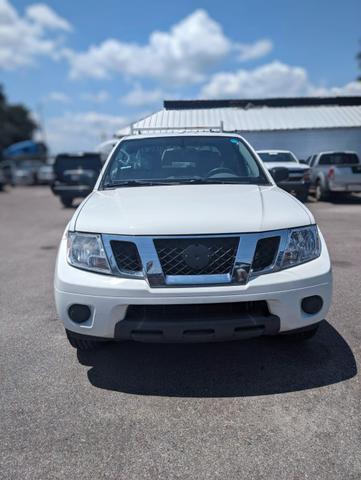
pixel 87 68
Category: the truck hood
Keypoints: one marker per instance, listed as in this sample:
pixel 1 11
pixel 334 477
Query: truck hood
pixel 189 209
pixel 288 165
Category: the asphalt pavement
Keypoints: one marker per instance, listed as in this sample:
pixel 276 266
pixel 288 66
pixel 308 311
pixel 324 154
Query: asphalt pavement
pixel 257 409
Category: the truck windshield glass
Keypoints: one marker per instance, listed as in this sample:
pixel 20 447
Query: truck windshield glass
pixel 182 159
pixel 339 159
pixel 277 157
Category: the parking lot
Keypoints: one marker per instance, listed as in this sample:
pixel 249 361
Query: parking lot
pixel 257 409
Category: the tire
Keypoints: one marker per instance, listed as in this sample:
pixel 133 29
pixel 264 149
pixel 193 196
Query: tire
pixel 321 193
pixel 82 343
pixel 302 196
pixel 67 202
pixel 300 336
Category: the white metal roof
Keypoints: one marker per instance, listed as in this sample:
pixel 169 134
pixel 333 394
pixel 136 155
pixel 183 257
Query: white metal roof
pixel 255 119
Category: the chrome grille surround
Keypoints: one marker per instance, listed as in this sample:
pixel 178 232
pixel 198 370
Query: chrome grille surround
pixel 152 269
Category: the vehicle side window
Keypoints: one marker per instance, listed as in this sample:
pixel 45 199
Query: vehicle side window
pixel 324 160
pixel 312 160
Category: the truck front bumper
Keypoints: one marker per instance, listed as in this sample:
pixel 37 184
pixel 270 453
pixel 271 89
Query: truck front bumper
pixel 295 186
pixel 71 191
pixel 123 308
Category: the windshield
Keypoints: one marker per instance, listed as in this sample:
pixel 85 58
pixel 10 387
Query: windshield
pixel 182 159
pixel 339 159
pixel 277 157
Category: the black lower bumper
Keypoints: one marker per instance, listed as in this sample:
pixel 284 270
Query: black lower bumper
pixel 71 191
pixel 206 323
pixel 298 187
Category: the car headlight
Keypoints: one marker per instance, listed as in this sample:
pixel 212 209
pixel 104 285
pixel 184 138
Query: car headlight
pixel 86 251
pixel 307 175
pixel 302 246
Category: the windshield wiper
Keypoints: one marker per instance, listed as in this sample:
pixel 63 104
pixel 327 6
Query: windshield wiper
pixel 210 181
pixel 134 183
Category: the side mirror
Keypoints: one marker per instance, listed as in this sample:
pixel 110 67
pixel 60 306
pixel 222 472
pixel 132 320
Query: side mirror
pixel 279 174
pixel 304 162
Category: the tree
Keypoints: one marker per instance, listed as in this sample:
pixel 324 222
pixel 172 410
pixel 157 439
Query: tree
pixel 16 123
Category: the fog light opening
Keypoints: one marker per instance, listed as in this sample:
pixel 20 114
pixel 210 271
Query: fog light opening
pixel 79 313
pixel 312 305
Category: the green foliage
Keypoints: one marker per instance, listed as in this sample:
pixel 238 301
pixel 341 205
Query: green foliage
pixel 16 123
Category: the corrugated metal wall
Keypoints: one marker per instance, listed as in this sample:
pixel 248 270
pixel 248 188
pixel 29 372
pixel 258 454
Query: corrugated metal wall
pixel 307 142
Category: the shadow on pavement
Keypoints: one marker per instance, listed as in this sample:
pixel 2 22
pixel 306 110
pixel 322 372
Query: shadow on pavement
pixel 260 366
pixel 345 200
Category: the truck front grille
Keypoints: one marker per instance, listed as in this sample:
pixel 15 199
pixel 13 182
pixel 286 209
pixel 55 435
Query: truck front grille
pixel 295 175
pixel 126 256
pixel 197 256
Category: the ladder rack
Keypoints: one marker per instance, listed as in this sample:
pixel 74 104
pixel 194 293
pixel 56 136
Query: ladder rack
pixel 138 131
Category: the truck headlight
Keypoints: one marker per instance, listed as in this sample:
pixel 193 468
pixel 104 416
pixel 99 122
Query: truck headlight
pixel 86 251
pixel 303 245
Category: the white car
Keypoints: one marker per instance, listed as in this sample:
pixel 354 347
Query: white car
pixel 186 237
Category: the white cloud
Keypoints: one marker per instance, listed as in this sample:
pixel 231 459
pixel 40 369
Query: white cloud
pixel 73 132
pixel 183 55
pixel 270 80
pixel 352 88
pixel 58 97
pixel 97 97
pixel 274 79
pixel 22 39
pixel 139 97
pixel 254 50
pixel 43 15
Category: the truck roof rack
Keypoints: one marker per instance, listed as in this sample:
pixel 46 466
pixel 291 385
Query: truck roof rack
pixel 206 128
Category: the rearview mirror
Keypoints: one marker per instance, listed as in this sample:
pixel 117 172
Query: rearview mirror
pixel 279 174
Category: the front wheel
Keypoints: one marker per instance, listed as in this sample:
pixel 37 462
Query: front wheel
pixel 81 343
pixel 320 192
pixel 66 201
pixel 302 196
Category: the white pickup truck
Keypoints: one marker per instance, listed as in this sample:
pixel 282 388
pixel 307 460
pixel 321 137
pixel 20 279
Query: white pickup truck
pixel 187 238
pixel 297 175
pixel 335 173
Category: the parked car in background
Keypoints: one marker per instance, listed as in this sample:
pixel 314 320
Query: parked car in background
pixel 46 173
pixel 25 172
pixel 2 178
pixel 187 238
pixel 75 175
pixel 335 173
pixel 298 179
pixel 8 170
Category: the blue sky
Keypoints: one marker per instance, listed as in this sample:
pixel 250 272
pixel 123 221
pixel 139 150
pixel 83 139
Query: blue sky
pixel 91 67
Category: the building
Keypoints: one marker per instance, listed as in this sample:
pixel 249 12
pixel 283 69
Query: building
pixel 305 125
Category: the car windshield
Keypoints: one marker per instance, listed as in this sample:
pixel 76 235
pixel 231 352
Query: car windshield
pixel 277 157
pixel 339 159
pixel 182 159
